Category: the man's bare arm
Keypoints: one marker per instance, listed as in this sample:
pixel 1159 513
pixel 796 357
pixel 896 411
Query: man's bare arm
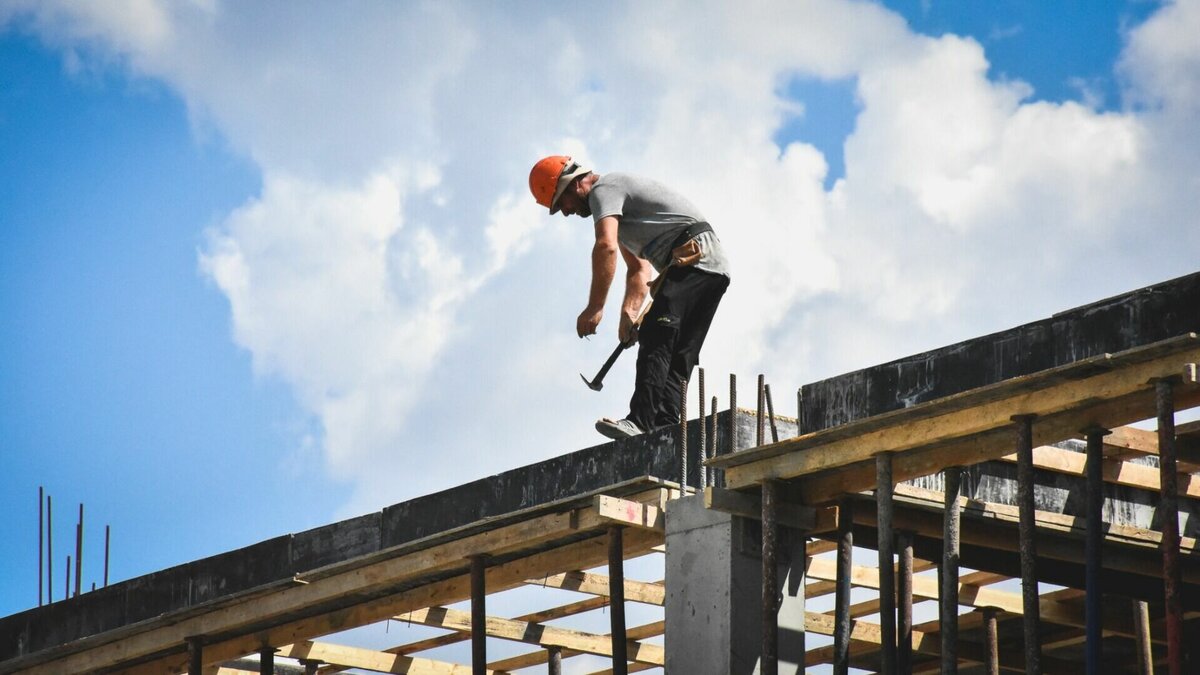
pixel 637 281
pixel 604 268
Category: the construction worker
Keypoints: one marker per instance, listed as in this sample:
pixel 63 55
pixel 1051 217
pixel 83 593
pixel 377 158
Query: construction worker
pixel 653 228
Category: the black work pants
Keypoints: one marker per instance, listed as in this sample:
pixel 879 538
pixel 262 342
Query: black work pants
pixel 669 343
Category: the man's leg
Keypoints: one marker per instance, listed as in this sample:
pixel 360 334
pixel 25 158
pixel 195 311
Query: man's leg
pixel 703 292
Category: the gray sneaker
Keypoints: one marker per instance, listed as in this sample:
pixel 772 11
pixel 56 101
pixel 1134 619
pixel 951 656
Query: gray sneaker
pixel 617 429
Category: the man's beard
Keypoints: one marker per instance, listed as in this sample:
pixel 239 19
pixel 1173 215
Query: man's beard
pixel 585 210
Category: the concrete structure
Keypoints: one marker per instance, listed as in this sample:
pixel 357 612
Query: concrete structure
pixel 1006 411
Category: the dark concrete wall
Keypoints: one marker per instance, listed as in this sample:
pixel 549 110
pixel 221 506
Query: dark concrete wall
pixel 1141 317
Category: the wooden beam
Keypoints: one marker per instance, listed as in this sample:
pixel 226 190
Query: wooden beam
pixel 539 657
pixel 597 584
pixel 582 554
pixel 975 423
pixel 629 512
pixel 534 633
pixel 746 505
pixel 369 659
pixel 1114 471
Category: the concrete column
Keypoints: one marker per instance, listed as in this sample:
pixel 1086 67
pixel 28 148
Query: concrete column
pixel 714 592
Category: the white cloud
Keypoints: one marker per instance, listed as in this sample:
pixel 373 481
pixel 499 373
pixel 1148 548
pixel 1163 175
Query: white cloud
pixel 396 275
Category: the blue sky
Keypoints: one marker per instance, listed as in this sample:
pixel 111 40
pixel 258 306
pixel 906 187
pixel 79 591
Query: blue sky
pixel 168 194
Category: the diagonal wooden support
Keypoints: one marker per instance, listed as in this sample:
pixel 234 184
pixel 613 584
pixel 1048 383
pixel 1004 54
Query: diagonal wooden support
pixel 537 634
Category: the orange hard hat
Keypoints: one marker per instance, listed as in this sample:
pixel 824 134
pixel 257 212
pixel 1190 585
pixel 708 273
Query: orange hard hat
pixel 551 176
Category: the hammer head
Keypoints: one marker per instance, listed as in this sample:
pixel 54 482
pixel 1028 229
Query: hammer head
pixel 594 387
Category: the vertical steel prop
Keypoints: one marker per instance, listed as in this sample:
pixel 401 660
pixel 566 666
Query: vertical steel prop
pixel 841 603
pixel 67 590
pixel 948 596
pixel 195 647
pixel 616 599
pixel 769 662
pixel 1094 600
pixel 701 469
pixel 1168 509
pixel 266 660
pixel 683 387
pixel 1141 632
pixel 904 544
pixel 554 660
pixel 991 641
pixel 1031 619
pixel 310 665
pixel 478 615
pixel 760 419
pixel 887 570
pixel 771 413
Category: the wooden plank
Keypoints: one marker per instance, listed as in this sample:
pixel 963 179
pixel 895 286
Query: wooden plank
pixel 540 656
pixel 1128 442
pixel 369 659
pixel 1118 379
pixel 597 584
pixel 826 486
pixel 1114 471
pixel 300 626
pixel 1173 351
pixel 537 634
pixel 746 505
pixel 629 512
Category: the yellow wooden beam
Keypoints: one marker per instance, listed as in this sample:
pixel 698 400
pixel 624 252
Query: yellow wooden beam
pixel 537 634
pixel 369 659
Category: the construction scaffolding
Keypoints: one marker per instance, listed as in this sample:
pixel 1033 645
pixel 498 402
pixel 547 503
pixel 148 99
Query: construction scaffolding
pixel 998 482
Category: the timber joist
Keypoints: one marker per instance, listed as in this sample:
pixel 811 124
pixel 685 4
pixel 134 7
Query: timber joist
pixel 975 426
pixel 545 549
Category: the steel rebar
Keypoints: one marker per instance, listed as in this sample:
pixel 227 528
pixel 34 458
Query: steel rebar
pixel 554 660
pixel 771 414
pixel 712 442
pixel 107 539
pixel 799 412
pixel 683 440
pixel 1168 509
pixel 769 661
pixel 1027 528
pixel 79 553
pixel 1093 603
pixel 616 596
pixel 732 447
pixel 948 596
pixel 701 418
pixel 266 660
pixel 887 572
pixel 760 419
pixel 49 549
pixel 41 543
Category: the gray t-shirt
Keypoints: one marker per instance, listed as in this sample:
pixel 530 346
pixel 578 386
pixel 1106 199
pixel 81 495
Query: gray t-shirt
pixel 651 216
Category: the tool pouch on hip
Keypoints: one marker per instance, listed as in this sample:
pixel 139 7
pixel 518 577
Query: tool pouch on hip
pixel 685 250
pixel 686 255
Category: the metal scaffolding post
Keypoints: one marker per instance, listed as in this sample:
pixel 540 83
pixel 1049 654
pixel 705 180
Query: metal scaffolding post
pixel 1031 607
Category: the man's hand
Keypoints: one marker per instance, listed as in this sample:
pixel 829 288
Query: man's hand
pixel 588 319
pixel 626 331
